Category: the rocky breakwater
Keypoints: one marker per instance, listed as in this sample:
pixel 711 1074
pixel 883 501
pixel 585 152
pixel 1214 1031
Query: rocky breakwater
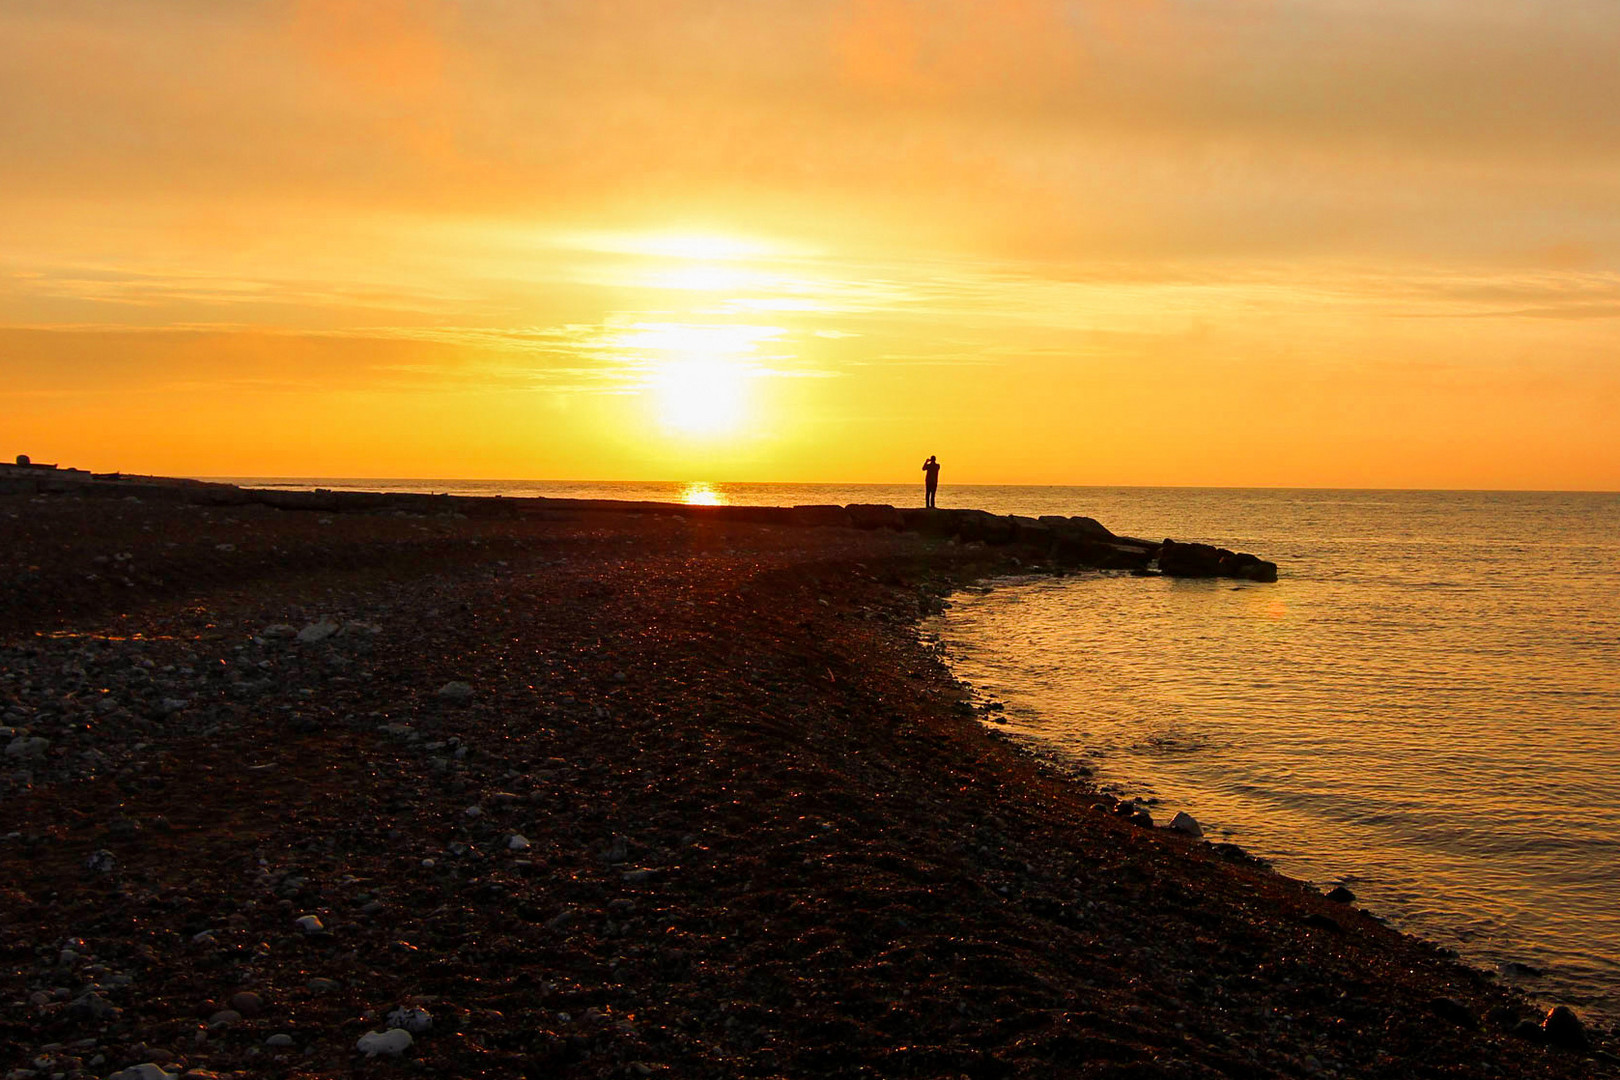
pixel 1208 561
pixel 1061 542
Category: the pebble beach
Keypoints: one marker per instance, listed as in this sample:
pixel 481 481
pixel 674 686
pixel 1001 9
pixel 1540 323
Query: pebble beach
pixel 580 790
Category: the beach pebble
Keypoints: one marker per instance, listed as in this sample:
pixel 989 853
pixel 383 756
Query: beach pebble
pixel 144 1071
pixel 279 1040
pixel 28 748
pixel 310 924
pixel 391 1042
pixel 456 692
pixel 247 1003
pixel 101 862
pixel 224 547
pixel 93 1007
pixel 412 1020
pixel 279 630
pixel 317 631
pixel 517 843
pixel 1186 824
pixel 1563 1028
pixel 322 986
pixel 224 1017
pixel 1453 1010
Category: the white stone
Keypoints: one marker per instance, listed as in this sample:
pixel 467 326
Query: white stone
pixel 394 1041
pixel 224 547
pixel 516 842
pixel 27 747
pixel 144 1071
pixel 456 691
pixel 1186 824
pixel 317 631
pixel 309 924
pixel 414 1021
pixel 474 811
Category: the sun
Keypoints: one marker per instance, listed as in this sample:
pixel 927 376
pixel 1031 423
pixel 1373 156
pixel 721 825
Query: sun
pixel 699 374
pixel 701 397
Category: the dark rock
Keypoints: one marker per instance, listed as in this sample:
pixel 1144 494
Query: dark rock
pixel 929 522
pixel 998 530
pixel 1530 1031
pixel 1515 970
pixel 1248 567
pixel 1454 1011
pixel 1207 561
pixel 819 515
pixel 1341 895
pixel 1563 1028
pixel 1126 557
pixel 1190 560
pixel 875 516
pixel 93 1008
pixel 1026 530
pixel 1069 550
pixel 247 1003
pixel 1322 922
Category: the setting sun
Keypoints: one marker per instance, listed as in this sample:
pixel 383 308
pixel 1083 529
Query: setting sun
pixel 698 373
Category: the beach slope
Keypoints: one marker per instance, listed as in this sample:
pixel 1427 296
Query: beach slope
pixel 609 794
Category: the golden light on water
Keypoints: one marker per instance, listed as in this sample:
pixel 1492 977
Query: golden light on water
pixel 698 493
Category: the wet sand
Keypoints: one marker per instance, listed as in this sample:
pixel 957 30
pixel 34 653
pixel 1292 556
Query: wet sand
pixel 705 807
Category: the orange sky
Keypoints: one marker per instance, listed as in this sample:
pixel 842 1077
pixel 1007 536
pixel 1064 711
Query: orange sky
pixel 1258 242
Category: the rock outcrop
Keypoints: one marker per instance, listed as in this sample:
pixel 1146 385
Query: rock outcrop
pixel 1208 561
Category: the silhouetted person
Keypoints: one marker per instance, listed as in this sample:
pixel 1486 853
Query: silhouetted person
pixel 930 480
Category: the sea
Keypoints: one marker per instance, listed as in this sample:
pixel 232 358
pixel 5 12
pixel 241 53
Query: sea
pixel 1424 708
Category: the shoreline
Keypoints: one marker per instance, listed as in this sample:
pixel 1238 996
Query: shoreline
pixel 762 832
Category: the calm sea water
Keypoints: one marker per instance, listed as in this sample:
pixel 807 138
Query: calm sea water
pixel 1426 706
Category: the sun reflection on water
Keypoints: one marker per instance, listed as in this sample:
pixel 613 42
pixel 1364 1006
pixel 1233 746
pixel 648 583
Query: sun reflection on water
pixel 698 493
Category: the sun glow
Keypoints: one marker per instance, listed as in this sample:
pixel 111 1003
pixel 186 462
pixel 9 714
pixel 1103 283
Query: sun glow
pixel 699 373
